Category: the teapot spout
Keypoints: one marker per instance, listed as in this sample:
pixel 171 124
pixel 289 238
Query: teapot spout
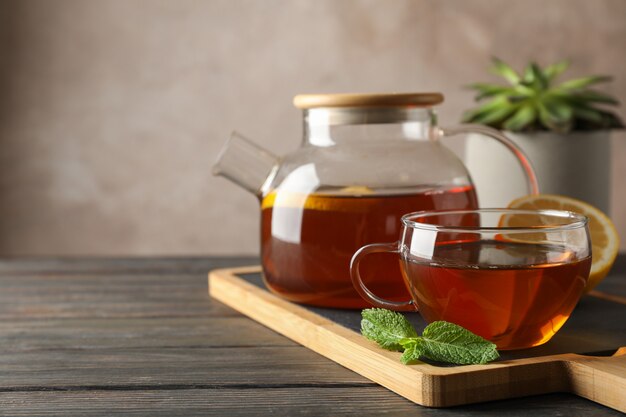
pixel 245 163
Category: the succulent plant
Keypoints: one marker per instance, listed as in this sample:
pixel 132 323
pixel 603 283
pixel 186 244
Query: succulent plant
pixel 533 101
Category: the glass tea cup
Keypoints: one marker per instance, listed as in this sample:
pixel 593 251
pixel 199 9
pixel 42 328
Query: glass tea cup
pixel 510 276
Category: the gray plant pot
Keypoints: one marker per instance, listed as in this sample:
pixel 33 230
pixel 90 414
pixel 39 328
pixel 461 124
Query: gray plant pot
pixel 574 164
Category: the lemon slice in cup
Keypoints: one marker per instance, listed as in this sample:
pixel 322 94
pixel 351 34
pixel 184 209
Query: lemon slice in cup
pixel 604 238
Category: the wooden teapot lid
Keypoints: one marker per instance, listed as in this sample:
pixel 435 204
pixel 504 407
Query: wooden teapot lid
pixel 311 101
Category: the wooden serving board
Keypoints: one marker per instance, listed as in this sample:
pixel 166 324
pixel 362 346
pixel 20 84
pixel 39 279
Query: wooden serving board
pixel 587 357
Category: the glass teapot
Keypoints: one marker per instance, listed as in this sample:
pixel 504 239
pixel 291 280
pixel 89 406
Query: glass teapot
pixel 366 160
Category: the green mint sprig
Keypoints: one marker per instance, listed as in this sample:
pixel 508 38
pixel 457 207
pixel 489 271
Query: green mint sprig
pixel 441 341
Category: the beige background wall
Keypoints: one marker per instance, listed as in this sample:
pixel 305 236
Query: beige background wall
pixel 111 112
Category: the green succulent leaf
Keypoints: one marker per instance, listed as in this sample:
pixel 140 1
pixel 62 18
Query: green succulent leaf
pixel 591 96
pixel 589 114
pixel 532 101
pixel 555 117
pixel 611 121
pixel 534 77
pixel 560 109
pixel 584 82
pixel 495 116
pixel 524 90
pixel 488 90
pixel 553 71
pixel 523 117
pixel 504 70
pixel 492 112
pixel 529 75
pixel 517 98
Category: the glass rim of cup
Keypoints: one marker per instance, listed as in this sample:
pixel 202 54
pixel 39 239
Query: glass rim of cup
pixel 577 220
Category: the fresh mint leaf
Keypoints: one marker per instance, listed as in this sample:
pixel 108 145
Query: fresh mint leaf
pixel 447 342
pixel 385 327
pixel 441 341
pixel 412 350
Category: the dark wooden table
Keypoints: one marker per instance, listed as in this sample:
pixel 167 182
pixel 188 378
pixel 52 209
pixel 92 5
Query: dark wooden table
pixel 141 337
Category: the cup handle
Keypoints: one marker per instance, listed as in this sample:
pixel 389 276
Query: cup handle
pixel 531 178
pixel 359 285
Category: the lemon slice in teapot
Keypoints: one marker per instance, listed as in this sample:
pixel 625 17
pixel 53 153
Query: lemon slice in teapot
pixel 356 190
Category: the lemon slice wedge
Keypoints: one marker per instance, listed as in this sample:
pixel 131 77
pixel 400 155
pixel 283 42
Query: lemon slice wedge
pixel 604 237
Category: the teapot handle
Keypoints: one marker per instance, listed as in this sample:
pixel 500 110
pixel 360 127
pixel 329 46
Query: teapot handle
pixel 531 178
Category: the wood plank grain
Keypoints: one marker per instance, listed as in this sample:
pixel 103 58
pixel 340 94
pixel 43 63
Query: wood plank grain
pixel 152 368
pixel 111 295
pixel 311 401
pixel 99 265
pixel 136 333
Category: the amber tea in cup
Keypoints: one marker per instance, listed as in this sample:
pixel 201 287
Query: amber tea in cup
pixel 510 276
